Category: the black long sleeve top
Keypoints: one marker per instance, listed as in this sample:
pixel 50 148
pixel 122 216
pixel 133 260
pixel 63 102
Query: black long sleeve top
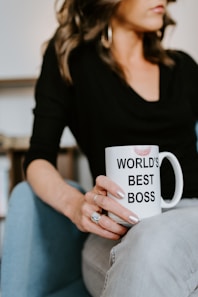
pixel 101 110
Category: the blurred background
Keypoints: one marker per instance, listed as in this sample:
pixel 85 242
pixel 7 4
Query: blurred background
pixel 24 26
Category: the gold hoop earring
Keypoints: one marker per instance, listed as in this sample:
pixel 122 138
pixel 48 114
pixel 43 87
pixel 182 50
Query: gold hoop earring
pixel 107 37
pixel 159 34
pixel 77 20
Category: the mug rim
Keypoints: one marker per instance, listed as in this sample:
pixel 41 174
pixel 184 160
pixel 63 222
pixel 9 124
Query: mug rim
pixel 132 145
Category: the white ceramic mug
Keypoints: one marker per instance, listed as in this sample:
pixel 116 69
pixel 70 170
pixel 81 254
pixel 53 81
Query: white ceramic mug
pixel 136 169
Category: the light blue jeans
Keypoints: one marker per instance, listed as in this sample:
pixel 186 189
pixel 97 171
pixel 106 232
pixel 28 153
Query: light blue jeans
pixel 41 251
pixel 156 258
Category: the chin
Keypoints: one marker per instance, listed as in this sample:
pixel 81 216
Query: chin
pixel 157 25
pixel 154 24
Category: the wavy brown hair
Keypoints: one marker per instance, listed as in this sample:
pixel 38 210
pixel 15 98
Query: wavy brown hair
pixel 86 20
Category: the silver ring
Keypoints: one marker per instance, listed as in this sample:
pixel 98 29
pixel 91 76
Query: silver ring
pixel 94 198
pixel 95 217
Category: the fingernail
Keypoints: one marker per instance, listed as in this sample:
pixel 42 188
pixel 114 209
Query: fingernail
pixel 120 194
pixel 134 219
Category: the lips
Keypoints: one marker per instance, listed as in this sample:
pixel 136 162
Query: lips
pixel 159 9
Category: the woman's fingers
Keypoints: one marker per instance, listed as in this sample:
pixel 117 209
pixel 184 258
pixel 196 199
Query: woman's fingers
pixel 104 226
pixel 105 184
pixel 109 204
pixel 94 221
pixel 96 201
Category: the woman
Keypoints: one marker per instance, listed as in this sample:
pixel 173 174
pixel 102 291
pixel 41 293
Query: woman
pixel 106 75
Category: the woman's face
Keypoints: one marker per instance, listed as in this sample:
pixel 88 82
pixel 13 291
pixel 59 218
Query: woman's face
pixel 141 15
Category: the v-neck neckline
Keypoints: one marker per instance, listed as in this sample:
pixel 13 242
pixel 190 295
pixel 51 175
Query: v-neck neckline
pixel 142 98
pixel 164 80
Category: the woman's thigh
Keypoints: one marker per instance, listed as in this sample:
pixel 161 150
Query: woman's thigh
pixel 96 262
pixel 157 251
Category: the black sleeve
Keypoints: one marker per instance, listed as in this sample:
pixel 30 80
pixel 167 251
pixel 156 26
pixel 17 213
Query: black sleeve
pixel 51 113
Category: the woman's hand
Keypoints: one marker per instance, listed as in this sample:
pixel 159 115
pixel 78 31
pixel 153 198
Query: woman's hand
pixel 66 199
pixel 97 202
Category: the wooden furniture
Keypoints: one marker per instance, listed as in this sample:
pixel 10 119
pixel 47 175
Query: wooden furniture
pixel 66 162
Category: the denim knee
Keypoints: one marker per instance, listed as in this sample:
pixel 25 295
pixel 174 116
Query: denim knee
pixel 158 254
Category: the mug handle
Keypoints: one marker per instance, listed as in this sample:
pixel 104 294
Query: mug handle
pixel 178 179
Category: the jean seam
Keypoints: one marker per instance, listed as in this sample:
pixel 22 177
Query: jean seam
pixel 112 261
pixel 188 281
pixel 96 267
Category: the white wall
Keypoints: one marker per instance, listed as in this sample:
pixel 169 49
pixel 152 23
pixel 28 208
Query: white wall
pixel 184 36
pixel 15 111
pixel 25 24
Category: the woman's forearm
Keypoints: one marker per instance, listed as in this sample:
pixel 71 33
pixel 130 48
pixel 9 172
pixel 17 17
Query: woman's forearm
pixel 49 185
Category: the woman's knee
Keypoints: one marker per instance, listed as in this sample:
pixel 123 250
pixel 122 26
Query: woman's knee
pixel 151 243
pixel 162 237
pixel 164 245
